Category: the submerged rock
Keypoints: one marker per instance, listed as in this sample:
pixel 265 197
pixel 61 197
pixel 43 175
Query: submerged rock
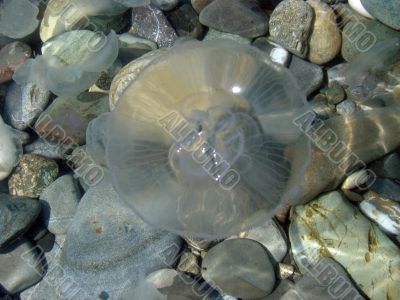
pixel 12 56
pixel 385 11
pixel 331 227
pixel 10 150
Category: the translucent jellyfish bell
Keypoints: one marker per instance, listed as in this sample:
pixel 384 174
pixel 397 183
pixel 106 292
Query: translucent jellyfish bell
pixel 199 143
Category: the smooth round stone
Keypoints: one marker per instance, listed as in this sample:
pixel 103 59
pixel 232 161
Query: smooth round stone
pixel 387 11
pixel 12 56
pixel 385 212
pixel 32 175
pixel 334 93
pixel 325 38
pixel 10 149
pixel 59 202
pixel 387 167
pixel 18 18
pixel 358 7
pixel 290 25
pixel 16 216
pixel 23 104
pixel 241 17
pixel 213 34
pixel 240 268
pixel 309 76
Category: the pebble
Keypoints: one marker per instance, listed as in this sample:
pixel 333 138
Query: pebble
pixel 32 175
pixel 357 179
pixel 129 73
pixel 132 47
pixel 59 202
pixel 385 212
pixel 16 216
pixel 277 53
pixel 199 5
pixel 241 17
pixel 387 187
pixel 23 104
pixel 290 26
pixel 185 21
pixel 21 267
pixel 387 167
pixel 309 76
pixel 66 119
pixel 358 7
pixel 10 150
pixel 334 93
pixel 165 4
pixel 385 11
pixel 213 34
pixel 47 149
pixel 18 19
pixel 12 56
pixel 108 243
pixel 240 268
pixel 271 235
pixel 188 263
pixel 360 36
pixel 322 109
pixel 149 22
pixel 331 227
pixel 325 38
pixel 346 108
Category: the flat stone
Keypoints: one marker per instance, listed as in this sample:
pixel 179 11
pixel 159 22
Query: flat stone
pixel 385 11
pixel 309 76
pixel 325 38
pixel 290 25
pixel 331 227
pixel 185 21
pixel 33 174
pixel 385 212
pixel 387 187
pixel 277 53
pixel 21 267
pixel 360 36
pixel 11 57
pixel 149 22
pixel 59 202
pixel 387 167
pixel 244 18
pixel 213 34
pixel 66 119
pixel 239 268
pixel 16 216
pixel 198 5
pixel 23 104
pixel 108 247
pixel 271 236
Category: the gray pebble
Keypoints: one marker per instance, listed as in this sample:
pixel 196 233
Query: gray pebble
pixel 309 76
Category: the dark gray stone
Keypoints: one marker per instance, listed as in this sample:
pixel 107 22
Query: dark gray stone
pixel 242 17
pixel 165 4
pixel 309 76
pixel 387 11
pixel 387 187
pixel 185 21
pixel 149 22
pixel 290 25
pixel 16 216
pixel 388 167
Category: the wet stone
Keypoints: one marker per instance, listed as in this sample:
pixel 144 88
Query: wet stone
pixel 21 267
pixel 23 104
pixel 188 263
pixel 32 175
pixel 66 119
pixel 213 34
pixel 309 76
pixel 165 4
pixel 149 22
pixel 387 187
pixel 277 53
pixel 359 8
pixel 11 57
pixel 241 17
pixel 239 268
pixel 199 5
pixel 47 149
pixel 132 47
pixel 385 11
pixel 185 21
pixel 387 167
pixel 290 25
pixel 16 216
pixel 334 93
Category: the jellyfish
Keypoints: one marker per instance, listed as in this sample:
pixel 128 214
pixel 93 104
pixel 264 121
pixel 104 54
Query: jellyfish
pixel 200 142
